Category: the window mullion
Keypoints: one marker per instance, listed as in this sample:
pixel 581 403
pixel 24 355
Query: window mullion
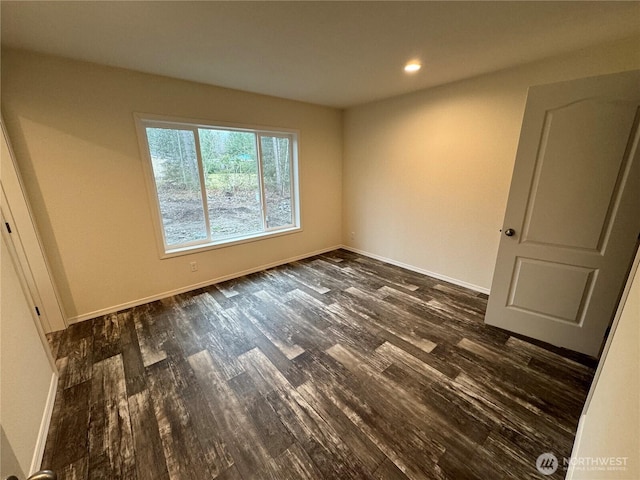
pixel 292 184
pixel 203 186
pixel 263 200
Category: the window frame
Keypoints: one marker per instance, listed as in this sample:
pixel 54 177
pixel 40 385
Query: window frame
pixel 144 121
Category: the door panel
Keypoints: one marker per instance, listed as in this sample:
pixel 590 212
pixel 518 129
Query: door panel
pixel 574 204
pixel 588 137
pixel 550 289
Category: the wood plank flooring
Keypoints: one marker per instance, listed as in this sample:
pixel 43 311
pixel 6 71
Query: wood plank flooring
pixel 335 367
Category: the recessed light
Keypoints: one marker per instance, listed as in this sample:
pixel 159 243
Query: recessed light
pixel 412 67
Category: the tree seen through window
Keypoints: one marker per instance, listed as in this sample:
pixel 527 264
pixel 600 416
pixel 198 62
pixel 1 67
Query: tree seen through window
pixel 216 184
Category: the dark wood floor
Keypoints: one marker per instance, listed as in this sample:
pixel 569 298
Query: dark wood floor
pixel 335 367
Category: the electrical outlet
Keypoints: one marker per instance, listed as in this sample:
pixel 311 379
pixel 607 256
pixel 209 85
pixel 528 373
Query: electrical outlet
pixel 353 235
pixel 194 266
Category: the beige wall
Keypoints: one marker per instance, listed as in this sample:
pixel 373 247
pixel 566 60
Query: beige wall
pixel 72 128
pixel 424 180
pixel 610 426
pixel 426 175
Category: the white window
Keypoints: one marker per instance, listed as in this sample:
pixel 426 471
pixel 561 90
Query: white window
pixel 216 185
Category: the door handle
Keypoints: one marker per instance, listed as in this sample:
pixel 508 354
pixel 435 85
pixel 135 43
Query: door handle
pixel 510 232
pixel 44 475
pixel 41 475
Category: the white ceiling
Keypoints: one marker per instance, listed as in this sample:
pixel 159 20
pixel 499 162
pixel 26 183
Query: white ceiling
pixel 331 53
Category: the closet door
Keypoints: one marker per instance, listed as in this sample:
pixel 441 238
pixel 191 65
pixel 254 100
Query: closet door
pixel 28 379
pixel 24 236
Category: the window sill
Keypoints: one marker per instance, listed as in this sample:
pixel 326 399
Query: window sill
pixel 179 251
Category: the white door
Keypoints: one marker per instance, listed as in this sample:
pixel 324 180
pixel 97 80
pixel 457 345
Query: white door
pixel 28 377
pixel 32 259
pixel 573 216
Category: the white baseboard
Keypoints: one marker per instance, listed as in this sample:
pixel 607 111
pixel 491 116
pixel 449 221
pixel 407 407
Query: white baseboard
pixel 455 281
pixel 206 283
pixel 41 441
pixel 177 291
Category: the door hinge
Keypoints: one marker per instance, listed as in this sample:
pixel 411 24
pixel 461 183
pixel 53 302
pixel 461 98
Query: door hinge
pixel 37 310
pixel 6 224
